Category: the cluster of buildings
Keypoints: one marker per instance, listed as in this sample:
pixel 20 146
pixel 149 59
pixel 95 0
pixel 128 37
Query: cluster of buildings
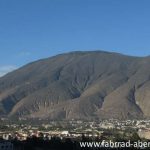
pixel 141 126
pixel 73 129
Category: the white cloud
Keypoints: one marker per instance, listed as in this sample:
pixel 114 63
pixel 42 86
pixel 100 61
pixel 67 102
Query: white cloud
pixel 6 69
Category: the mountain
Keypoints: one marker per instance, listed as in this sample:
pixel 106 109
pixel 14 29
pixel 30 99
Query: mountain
pixel 78 85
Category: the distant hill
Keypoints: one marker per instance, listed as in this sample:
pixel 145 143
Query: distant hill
pixel 78 85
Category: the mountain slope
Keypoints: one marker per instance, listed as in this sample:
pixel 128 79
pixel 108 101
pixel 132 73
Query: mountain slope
pixel 78 85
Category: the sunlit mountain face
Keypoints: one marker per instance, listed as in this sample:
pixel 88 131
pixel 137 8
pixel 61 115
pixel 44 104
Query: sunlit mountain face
pixel 78 85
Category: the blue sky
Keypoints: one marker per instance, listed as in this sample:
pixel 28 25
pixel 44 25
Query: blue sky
pixel 34 29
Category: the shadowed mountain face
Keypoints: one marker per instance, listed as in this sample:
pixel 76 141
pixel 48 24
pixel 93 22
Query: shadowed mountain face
pixel 78 85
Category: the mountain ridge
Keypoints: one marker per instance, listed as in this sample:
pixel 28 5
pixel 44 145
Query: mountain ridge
pixel 78 85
